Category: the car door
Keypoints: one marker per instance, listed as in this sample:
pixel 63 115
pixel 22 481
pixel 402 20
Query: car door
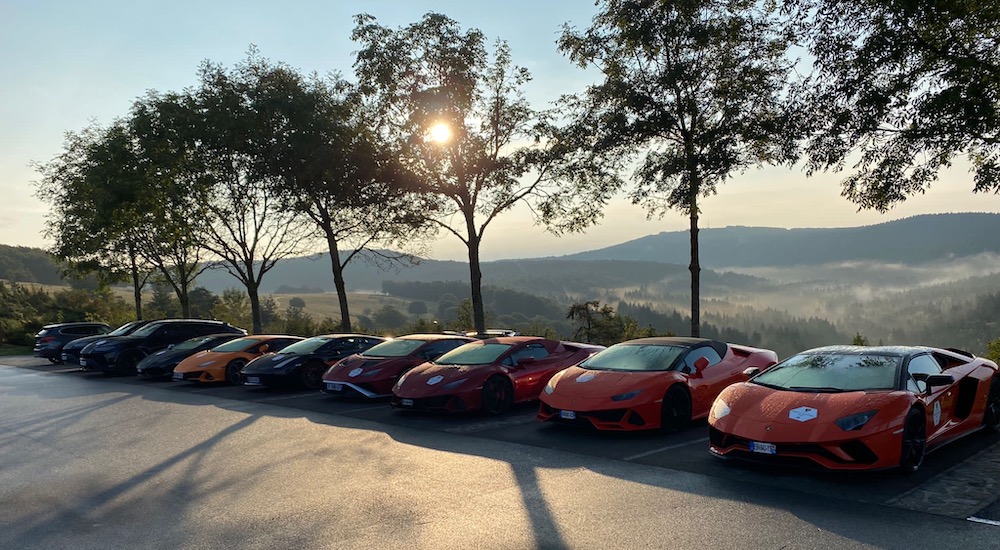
pixel 939 401
pixel 529 369
pixel 707 377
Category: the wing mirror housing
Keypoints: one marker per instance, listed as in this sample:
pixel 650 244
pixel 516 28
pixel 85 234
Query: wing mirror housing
pixel 264 348
pixel 751 371
pixel 939 380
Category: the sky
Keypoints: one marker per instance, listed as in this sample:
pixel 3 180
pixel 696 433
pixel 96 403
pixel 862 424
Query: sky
pixel 66 64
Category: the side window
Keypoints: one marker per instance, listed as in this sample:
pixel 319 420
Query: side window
pixel 918 369
pixel 534 351
pixel 439 347
pixel 694 355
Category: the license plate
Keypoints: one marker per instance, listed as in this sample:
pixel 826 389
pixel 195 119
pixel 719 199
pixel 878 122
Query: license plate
pixel 65 357
pixel 83 362
pixel 253 380
pixel 568 415
pixel 178 376
pixel 406 402
pixel 334 386
pixel 763 448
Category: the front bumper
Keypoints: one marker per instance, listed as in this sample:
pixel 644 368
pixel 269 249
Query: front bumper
pixel 440 403
pixel 102 362
pixel 607 419
pixel 871 452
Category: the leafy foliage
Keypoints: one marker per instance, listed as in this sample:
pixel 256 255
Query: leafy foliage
pixel 499 152
pixel 695 91
pixel 905 86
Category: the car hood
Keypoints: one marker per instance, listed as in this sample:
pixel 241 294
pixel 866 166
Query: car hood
pixel 593 384
pixel 267 362
pixel 80 343
pixel 752 402
pixel 430 378
pixel 164 356
pixel 360 368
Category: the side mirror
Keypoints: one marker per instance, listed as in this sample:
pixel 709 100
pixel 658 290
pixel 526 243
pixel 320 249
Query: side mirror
pixel 752 371
pixel 264 348
pixel 939 380
pixel 171 346
pixel 701 363
pixel 525 361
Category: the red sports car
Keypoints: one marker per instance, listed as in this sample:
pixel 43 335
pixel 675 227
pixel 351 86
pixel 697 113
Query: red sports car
pixel 489 375
pixel 856 408
pixel 648 383
pixel 373 372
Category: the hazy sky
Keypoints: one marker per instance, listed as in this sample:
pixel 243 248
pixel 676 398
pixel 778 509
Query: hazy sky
pixel 65 63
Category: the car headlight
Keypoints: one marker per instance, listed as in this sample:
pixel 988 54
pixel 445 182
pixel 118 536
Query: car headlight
pixel 625 396
pixel 720 409
pixel 855 421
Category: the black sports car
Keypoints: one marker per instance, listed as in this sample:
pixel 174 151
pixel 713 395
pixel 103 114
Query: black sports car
pixel 71 351
pixel 162 363
pixel 303 363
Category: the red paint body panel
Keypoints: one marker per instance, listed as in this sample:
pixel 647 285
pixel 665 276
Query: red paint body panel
pixel 762 414
pixel 590 401
pixel 372 376
pixel 455 388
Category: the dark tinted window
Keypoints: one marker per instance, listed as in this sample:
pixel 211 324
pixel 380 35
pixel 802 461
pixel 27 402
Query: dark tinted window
pixel 698 353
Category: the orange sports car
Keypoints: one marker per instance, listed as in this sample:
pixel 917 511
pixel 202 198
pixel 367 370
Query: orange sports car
pixel 856 408
pixel 224 362
pixel 648 383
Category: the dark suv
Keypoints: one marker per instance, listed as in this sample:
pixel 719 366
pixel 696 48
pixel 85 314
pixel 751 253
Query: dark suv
pixel 71 351
pixel 120 354
pixel 50 340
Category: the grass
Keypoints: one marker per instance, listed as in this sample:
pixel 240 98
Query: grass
pixel 7 350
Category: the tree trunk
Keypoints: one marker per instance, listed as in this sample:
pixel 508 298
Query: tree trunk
pixel 253 292
pixel 183 297
pixel 136 287
pixel 338 282
pixel 695 267
pixel 476 280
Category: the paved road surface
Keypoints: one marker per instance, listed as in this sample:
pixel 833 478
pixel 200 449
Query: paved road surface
pixel 93 462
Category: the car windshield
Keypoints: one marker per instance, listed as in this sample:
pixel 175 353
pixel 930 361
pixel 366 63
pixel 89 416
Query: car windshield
pixel 832 373
pixel 394 348
pixel 306 346
pixel 238 344
pixel 635 357
pixel 146 330
pixel 193 343
pixel 473 354
pixel 127 328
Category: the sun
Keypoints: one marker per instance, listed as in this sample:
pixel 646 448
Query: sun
pixel 440 132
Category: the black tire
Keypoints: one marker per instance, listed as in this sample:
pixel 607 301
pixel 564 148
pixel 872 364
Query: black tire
pixel 312 375
pixel 55 361
pixel 911 456
pixel 498 395
pixel 991 418
pixel 233 369
pixel 675 411
pixel 125 365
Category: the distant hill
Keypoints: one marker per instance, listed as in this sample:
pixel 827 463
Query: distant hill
pixel 661 258
pixel 917 240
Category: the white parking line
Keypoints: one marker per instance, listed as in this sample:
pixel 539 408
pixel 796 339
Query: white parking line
pixel 981 520
pixel 664 449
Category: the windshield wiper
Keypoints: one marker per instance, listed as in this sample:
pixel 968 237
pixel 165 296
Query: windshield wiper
pixel 822 389
pixel 772 386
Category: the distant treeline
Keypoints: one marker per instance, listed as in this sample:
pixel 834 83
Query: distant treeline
pixel 28 265
pixel 500 301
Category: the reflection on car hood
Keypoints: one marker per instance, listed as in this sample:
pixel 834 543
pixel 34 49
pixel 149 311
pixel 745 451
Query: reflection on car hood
pixel 594 384
pixel 753 402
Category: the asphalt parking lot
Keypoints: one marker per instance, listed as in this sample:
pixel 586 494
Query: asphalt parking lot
pixel 961 480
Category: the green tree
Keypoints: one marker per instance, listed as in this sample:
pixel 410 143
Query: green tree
pixel 296 302
pixel 455 111
pixel 417 307
pixel 94 188
pixel 993 351
pixel 330 166
pixel 602 325
pixel 245 227
pixel 859 340
pixel 900 89
pixel 698 90
pixel 388 317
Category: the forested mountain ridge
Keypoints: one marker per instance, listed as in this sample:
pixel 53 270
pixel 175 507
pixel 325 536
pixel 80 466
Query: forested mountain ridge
pixel 914 240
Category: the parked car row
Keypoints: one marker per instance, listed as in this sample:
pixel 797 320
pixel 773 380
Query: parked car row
pixel 838 407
